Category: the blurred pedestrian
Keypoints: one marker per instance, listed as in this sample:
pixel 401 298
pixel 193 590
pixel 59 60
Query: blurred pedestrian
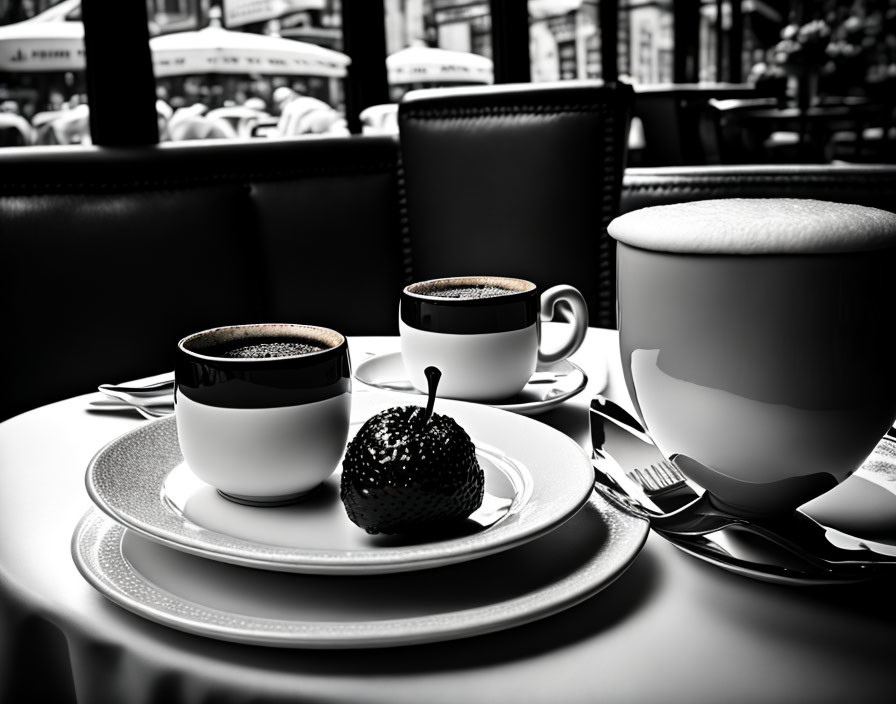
pixel 15 130
pixel 302 114
pixel 192 123
pixel 164 112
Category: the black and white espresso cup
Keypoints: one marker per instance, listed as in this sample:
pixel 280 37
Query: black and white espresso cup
pixel 263 410
pixel 483 333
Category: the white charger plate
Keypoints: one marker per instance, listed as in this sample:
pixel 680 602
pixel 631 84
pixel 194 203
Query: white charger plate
pixel 536 478
pixel 228 602
pixel 550 385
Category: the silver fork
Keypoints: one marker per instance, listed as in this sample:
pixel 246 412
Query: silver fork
pixel 700 516
pixel 665 485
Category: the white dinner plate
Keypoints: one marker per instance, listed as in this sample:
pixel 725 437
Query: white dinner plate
pixel 228 602
pixel 548 387
pixel 535 478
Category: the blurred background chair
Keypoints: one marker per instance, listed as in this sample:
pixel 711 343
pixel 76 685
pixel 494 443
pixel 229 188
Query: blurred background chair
pixel 673 117
pixel 872 137
pixel 833 128
pixel 516 180
pixel 724 137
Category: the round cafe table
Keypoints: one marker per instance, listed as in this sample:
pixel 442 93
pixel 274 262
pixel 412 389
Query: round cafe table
pixel 672 628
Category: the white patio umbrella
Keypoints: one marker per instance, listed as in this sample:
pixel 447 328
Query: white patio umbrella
pixel 59 12
pixel 220 51
pixel 422 64
pixel 37 45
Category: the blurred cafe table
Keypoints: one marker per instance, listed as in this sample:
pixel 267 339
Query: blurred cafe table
pixel 812 128
pixel 671 628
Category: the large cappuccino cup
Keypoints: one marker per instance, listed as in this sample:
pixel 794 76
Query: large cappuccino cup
pixel 756 341
pixel 483 333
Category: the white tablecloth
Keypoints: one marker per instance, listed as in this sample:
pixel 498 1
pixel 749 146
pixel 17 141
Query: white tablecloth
pixel 671 629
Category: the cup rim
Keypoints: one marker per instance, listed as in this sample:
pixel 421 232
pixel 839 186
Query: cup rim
pixel 525 285
pixel 318 334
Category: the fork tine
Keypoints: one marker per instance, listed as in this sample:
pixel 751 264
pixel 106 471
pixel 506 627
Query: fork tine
pixel 669 472
pixel 654 477
pixel 664 484
pixel 643 478
pixel 672 468
pixel 659 480
pixel 657 477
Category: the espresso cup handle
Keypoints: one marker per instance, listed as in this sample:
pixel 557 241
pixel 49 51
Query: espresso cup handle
pixel 579 326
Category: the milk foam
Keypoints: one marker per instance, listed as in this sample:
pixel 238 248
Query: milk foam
pixel 757 226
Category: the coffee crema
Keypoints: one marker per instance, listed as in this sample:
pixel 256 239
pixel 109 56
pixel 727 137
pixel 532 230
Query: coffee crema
pixel 465 291
pixel 263 348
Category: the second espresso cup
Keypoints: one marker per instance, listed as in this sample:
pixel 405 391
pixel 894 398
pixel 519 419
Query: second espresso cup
pixel 483 333
pixel 263 410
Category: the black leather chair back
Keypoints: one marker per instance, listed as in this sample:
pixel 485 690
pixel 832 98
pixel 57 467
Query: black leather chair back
pixel 516 180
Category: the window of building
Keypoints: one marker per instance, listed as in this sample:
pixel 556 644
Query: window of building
pixel 648 41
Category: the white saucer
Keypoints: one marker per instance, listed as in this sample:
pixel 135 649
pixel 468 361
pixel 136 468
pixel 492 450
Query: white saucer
pixel 860 513
pixel 549 386
pixel 228 602
pixel 536 478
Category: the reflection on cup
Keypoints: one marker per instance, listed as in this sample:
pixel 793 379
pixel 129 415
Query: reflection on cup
pixel 263 410
pixel 755 342
pixel 482 332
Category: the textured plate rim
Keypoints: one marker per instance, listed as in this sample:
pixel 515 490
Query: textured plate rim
pixel 96 533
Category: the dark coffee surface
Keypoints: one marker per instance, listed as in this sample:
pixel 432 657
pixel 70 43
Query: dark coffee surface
pixel 263 371
pixel 264 348
pixel 466 291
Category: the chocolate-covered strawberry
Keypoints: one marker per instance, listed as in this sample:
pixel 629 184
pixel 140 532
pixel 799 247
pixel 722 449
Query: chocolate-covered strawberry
pixel 411 470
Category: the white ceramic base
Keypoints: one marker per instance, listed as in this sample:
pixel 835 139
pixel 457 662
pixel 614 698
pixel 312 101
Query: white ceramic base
pixel 479 367
pixel 264 455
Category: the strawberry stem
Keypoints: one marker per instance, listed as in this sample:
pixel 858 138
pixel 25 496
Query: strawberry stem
pixel 433 374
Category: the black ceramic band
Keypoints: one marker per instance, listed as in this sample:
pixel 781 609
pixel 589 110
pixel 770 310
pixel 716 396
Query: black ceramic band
pixel 469 316
pixel 269 383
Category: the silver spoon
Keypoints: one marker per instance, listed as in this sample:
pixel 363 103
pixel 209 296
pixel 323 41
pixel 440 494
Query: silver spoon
pixel 152 413
pixel 159 388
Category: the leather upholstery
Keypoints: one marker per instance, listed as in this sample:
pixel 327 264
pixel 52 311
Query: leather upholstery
pixel 516 180
pixel 872 185
pixel 111 255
